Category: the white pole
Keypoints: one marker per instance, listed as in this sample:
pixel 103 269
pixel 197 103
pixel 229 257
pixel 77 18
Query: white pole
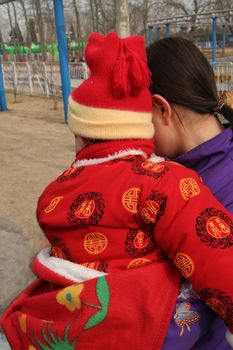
pixel 30 78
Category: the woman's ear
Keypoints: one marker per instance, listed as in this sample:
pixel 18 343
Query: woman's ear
pixel 162 107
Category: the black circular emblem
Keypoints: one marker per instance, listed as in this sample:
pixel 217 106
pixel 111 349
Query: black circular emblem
pixel 219 302
pixel 97 265
pixel 142 166
pixel 70 174
pixel 215 228
pixel 102 266
pixel 59 249
pixel 87 208
pixel 139 242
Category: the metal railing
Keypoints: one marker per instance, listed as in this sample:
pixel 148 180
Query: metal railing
pixel 38 78
pixel 224 76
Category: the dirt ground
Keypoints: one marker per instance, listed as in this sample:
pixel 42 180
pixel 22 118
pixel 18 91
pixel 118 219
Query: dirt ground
pixel 35 147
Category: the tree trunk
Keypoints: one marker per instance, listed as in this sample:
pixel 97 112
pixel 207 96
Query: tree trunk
pixel 10 19
pixel 145 19
pixel 1 37
pixel 122 18
pixel 32 31
pixel 50 23
pixel 40 28
pixel 78 27
pixel 96 15
pixel 92 16
pixel 28 40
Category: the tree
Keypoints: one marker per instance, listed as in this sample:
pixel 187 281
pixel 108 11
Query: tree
pixel 48 19
pixel 122 18
pixel 28 36
pixel 10 21
pixel 189 7
pixel 78 26
pixel 1 37
pixel 228 17
pixel 17 31
pixel 40 25
pixel 32 30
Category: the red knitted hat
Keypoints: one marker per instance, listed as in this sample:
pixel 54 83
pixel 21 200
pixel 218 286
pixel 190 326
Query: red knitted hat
pixel 114 103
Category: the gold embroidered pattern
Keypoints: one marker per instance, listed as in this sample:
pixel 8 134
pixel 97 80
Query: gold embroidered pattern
pixel 138 262
pixel 217 228
pixel 86 209
pixel 141 240
pixel 130 199
pixel 185 264
pixel 54 202
pixel 150 211
pixel 155 167
pixel 95 242
pixel 189 188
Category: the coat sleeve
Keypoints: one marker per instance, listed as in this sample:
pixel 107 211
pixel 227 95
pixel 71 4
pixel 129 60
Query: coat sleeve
pixel 196 232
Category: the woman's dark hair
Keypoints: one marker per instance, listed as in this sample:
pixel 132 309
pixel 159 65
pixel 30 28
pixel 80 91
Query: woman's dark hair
pixel 182 75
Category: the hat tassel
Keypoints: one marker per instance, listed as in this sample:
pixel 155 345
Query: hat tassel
pixel 121 86
pixel 130 74
pixel 139 74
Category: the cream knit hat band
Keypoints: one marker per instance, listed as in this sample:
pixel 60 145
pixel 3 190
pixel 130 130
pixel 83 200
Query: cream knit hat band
pixel 108 124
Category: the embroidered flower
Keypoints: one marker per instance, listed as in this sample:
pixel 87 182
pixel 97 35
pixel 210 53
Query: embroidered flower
pixel 22 322
pixel 70 297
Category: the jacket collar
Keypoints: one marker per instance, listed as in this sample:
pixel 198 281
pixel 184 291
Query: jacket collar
pixel 104 151
pixel 212 150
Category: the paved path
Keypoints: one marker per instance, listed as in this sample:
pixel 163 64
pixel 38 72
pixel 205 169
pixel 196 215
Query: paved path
pixel 35 147
pixel 3 343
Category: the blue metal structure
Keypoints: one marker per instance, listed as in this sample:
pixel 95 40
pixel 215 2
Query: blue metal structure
pixel 151 36
pixel 181 31
pixel 167 29
pixel 158 33
pixel 203 17
pixel 3 104
pixel 63 52
pixel 223 38
pixel 214 39
pixel 63 57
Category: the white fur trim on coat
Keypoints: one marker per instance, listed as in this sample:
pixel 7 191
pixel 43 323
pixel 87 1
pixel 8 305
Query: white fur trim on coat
pixel 229 337
pixel 117 155
pixel 67 269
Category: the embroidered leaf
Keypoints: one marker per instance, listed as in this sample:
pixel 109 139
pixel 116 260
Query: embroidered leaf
pixel 56 343
pixel 102 291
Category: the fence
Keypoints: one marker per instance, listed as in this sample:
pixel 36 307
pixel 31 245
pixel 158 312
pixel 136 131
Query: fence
pixel 224 76
pixel 40 78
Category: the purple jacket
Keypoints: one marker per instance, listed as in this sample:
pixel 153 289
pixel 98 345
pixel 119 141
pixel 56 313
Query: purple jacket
pixel 213 160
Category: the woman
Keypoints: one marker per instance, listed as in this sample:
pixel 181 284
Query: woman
pixel 186 107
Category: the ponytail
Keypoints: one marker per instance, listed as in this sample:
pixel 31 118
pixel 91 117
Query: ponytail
pixel 227 113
